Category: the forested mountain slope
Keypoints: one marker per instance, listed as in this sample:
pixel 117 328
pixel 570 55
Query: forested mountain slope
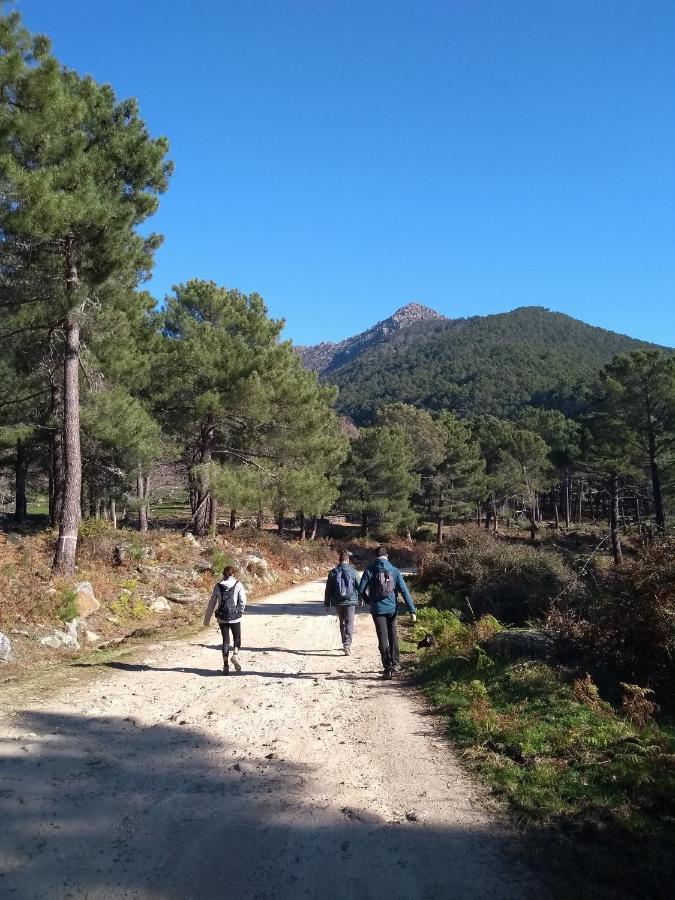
pixel 483 364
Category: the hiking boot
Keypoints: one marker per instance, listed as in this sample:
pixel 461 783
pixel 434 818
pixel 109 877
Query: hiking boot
pixel 226 669
pixel 346 651
pixel 387 674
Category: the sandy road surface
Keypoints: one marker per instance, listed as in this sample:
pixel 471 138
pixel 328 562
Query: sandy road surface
pixel 304 777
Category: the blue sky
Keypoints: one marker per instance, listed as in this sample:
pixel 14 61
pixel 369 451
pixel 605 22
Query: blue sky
pixel 345 158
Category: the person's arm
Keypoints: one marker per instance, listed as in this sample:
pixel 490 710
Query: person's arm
pixel 241 599
pixel 363 585
pixel 402 589
pixel 212 605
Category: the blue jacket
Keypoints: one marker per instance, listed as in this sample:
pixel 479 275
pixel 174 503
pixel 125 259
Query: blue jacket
pixel 330 599
pixel 385 605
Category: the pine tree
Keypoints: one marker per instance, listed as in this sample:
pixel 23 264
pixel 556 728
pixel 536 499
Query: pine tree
pixel 638 401
pixel 378 480
pixel 79 173
pixel 459 478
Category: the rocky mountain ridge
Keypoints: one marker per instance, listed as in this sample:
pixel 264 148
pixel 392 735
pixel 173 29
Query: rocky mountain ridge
pixel 327 356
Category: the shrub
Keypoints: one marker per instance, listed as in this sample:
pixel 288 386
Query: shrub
pixel 481 574
pixel 66 609
pixel 627 624
pixel 92 528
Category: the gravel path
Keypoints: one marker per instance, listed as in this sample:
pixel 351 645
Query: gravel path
pixel 306 776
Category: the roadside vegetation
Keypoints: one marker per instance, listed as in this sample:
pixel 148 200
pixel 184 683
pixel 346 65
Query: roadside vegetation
pixel 569 717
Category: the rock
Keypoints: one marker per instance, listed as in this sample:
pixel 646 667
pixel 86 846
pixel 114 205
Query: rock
pixel 256 565
pixel 60 639
pixel 183 599
pixel 119 555
pixel 191 539
pixel 91 637
pixel 528 643
pixel 306 570
pixel 85 600
pixel 296 570
pixel 5 648
pixel 160 604
pixel 203 567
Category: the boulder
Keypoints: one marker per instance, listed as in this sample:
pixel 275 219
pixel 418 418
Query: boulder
pixel 525 643
pixel 91 637
pixel 5 648
pixel 61 639
pixel 256 565
pixel 160 604
pixel 85 600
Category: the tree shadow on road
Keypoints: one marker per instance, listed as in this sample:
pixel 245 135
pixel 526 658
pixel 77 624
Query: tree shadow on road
pixel 106 808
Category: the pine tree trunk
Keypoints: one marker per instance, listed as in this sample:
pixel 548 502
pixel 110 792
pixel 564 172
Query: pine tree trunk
pixel 113 513
pixel 557 515
pixel 20 472
pixel 281 521
pixel 495 524
pixel 258 520
pixel 439 530
pixel 656 486
pixel 315 528
pixel 567 501
pixel 233 520
pixel 141 494
pixel 579 507
pixel 478 515
pixel 66 547
pixel 206 454
pixel 614 519
pixel 364 524
pixel 213 515
pixel 56 456
pixel 302 525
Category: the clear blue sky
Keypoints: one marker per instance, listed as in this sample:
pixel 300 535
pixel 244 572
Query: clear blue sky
pixel 344 158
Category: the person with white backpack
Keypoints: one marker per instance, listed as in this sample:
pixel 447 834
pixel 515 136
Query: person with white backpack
pixel 342 594
pixel 380 585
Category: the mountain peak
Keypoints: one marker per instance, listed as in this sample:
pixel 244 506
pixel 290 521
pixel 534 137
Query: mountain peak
pixel 413 312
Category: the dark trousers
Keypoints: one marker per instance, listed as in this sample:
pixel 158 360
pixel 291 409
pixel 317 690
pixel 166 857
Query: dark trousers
pixel 225 628
pixel 346 616
pixel 387 639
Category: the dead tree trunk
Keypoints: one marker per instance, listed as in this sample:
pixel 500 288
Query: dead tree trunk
pixel 439 530
pixel 614 519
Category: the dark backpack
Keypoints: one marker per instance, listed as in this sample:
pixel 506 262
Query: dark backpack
pixel 383 585
pixel 344 586
pixel 226 608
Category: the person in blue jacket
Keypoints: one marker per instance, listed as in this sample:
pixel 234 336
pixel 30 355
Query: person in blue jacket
pixel 380 585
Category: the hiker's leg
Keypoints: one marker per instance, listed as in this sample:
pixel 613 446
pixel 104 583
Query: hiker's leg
pixel 341 619
pixel 236 635
pixel 392 636
pixel 382 638
pixel 347 625
pixel 225 631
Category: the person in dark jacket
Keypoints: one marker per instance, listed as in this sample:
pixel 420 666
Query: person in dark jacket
pixel 342 594
pixel 380 585
pixel 228 599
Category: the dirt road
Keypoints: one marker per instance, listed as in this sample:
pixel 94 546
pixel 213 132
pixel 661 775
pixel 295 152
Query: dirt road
pixel 306 776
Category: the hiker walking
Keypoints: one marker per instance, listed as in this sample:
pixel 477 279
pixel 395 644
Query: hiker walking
pixel 380 585
pixel 228 598
pixel 341 593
